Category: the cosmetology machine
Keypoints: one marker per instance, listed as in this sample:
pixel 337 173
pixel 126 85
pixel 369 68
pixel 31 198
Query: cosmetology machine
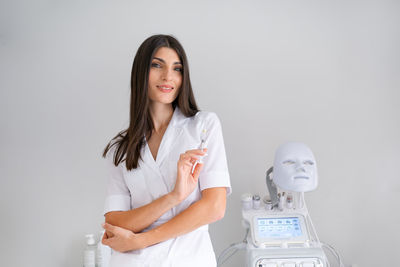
pixel 279 230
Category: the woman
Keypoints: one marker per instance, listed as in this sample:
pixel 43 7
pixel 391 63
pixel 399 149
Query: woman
pixel 164 190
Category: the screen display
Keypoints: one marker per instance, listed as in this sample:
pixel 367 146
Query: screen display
pixel 286 227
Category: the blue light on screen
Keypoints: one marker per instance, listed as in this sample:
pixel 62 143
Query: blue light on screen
pixel 286 227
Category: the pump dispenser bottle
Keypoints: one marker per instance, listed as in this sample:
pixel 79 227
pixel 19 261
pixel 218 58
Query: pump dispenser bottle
pixel 89 255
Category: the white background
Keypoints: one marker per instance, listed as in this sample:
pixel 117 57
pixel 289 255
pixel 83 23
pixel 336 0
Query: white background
pixel 325 73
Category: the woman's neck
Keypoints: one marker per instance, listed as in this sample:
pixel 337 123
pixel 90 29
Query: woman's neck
pixel 161 115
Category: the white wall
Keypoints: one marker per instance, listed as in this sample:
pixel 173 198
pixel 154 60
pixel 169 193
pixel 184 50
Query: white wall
pixel 322 72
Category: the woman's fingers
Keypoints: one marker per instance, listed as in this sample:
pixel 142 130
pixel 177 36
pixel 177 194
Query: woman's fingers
pixel 197 170
pixel 193 154
pixel 109 228
pixel 199 152
pixel 187 160
pixel 104 237
pixel 187 157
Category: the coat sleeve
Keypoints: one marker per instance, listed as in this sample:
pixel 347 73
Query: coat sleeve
pixel 118 195
pixel 215 171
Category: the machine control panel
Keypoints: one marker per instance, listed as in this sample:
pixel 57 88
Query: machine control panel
pixel 278 229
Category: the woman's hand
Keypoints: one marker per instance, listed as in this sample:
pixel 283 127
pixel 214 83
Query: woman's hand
pixel 186 181
pixel 122 240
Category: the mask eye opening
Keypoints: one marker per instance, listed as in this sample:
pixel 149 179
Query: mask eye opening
pixel 288 162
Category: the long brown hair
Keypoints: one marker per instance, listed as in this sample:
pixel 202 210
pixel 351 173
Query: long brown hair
pixel 130 141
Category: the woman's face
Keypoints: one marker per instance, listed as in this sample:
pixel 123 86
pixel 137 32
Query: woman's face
pixel 165 76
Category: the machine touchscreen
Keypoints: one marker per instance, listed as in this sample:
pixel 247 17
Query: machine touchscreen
pixel 284 227
pixel 274 229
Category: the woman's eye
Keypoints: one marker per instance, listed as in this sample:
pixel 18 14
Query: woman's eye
pixel 308 162
pixel 179 69
pixel 155 65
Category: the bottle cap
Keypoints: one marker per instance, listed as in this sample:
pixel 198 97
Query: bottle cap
pixel 90 239
pixel 247 201
pixel 247 197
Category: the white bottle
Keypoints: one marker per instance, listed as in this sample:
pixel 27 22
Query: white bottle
pixel 103 253
pixel 89 255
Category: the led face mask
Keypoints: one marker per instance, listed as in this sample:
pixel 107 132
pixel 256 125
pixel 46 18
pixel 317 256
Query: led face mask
pixel 295 168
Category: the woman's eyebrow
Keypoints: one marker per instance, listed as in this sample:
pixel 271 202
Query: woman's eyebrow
pixel 163 61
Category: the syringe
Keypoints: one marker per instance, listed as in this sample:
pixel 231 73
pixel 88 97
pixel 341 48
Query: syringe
pixel 203 136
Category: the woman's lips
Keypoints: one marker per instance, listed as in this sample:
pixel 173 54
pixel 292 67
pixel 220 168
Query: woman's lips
pixel 165 88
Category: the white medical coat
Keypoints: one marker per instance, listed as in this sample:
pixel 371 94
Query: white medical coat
pixel 154 178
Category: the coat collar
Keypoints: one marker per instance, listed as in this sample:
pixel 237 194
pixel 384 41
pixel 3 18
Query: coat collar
pixel 168 141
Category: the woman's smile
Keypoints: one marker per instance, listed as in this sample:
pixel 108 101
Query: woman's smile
pixel 165 88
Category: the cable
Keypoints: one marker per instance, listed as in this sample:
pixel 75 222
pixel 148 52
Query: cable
pixel 329 247
pixel 308 219
pixel 334 253
pixel 235 246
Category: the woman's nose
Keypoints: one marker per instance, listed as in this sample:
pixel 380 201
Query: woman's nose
pixel 167 75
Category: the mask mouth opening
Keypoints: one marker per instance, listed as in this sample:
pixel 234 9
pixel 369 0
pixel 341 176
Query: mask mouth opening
pixel 301 177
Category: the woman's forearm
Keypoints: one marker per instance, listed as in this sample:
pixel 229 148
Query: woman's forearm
pixel 140 218
pixel 210 208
